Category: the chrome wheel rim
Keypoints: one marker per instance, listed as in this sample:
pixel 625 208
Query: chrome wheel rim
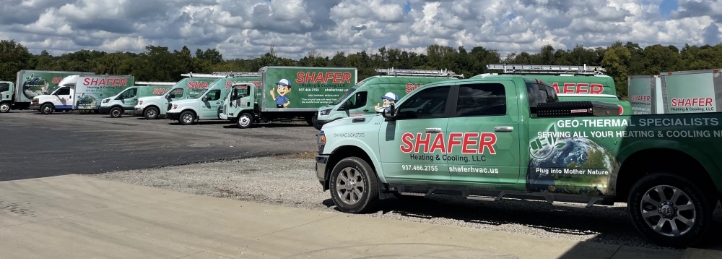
pixel 4 107
pixel 46 109
pixel 668 210
pixel 116 113
pixel 350 185
pixel 244 121
pixel 150 113
pixel 187 118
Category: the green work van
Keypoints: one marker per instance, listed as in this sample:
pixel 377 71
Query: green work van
pixel 207 105
pixel 128 98
pixel 374 93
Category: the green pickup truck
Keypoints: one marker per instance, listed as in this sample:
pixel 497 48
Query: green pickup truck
pixel 509 136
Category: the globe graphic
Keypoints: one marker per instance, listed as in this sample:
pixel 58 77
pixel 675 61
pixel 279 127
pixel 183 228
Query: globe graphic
pixel 575 166
pixel 35 86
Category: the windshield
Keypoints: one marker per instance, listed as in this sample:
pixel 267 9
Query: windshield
pixel 346 94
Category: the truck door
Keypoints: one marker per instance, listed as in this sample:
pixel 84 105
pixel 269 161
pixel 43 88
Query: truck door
pixel 484 134
pixel 411 145
pixel 129 97
pixel 64 98
pixel 210 104
pixel 240 98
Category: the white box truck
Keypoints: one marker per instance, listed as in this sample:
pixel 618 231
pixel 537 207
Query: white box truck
pixel 81 92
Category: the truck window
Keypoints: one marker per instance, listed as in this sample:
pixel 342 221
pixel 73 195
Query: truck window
pixel 213 95
pixel 540 93
pixel 4 87
pixel 63 91
pixel 428 103
pixel 130 93
pixel 357 100
pixel 481 100
pixel 178 92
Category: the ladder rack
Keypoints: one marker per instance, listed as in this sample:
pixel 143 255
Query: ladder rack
pixel 154 83
pixel 547 69
pixel 191 74
pixel 418 72
pixel 239 74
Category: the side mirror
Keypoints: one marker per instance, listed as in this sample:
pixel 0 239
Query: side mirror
pixel 389 113
pixel 205 98
pixel 171 96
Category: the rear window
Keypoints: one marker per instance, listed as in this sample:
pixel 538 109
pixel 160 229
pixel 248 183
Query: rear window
pixel 540 92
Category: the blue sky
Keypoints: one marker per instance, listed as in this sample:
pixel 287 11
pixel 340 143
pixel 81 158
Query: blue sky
pixel 667 7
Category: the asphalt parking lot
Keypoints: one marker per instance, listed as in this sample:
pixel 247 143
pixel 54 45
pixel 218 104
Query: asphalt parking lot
pixel 34 145
pixel 262 165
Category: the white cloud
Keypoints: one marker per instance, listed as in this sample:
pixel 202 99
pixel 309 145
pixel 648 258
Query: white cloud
pixel 244 28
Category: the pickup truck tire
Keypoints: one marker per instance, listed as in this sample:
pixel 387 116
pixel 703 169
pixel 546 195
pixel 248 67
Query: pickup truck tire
pixel 116 112
pixel 354 185
pixel 151 113
pixel 680 218
pixel 244 121
pixel 46 109
pixel 311 120
pixel 4 107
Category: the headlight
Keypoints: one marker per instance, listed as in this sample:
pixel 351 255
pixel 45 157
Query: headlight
pixel 325 112
pixel 175 106
pixel 140 102
pixel 106 100
pixel 321 141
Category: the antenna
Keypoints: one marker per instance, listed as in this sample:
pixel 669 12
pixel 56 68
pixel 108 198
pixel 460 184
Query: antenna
pixel 238 74
pixel 547 69
pixel 418 72
pixel 154 83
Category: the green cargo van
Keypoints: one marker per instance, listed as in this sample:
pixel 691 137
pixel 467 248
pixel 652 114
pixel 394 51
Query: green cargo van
pixel 127 99
pixel 374 93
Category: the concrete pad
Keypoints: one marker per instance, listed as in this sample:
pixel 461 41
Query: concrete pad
pixel 693 253
pixel 83 217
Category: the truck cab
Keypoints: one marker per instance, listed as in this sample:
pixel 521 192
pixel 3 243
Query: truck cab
pixel 509 136
pixel 369 95
pixel 152 107
pixel 61 99
pixel 6 95
pixel 240 103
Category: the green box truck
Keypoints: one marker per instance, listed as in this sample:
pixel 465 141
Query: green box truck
pixel 152 107
pixel 288 93
pixel 128 98
pixel 208 104
pixel 693 91
pixel 29 84
pixel 376 92
pixel 498 137
pixel 81 92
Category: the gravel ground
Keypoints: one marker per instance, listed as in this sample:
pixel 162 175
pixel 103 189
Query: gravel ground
pixel 291 181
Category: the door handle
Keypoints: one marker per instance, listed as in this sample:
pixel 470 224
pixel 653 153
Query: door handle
pixel 433 130
pixel 503 128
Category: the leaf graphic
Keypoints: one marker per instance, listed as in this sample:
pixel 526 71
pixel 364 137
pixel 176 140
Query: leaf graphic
pixel 559 145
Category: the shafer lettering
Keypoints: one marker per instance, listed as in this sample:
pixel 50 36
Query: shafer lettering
pixel 469 142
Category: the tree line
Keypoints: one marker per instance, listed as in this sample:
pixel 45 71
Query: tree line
pixel 158 63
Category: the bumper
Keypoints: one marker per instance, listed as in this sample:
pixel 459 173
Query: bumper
pixel 138 111
pixel 34 107
pixel 321 161
pixel 173 116
pixel 104 110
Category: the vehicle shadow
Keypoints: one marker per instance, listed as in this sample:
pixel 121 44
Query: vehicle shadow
pixel 270 125
pixel 599 224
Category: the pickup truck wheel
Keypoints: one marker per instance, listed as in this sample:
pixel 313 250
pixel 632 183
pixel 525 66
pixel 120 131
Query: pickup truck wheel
pixel 4 107
pixel 187 118
pixel 244 121
pixel 151 113
pixel 353 185
pixel 116 112
pixel 46 108
pixel 669 210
